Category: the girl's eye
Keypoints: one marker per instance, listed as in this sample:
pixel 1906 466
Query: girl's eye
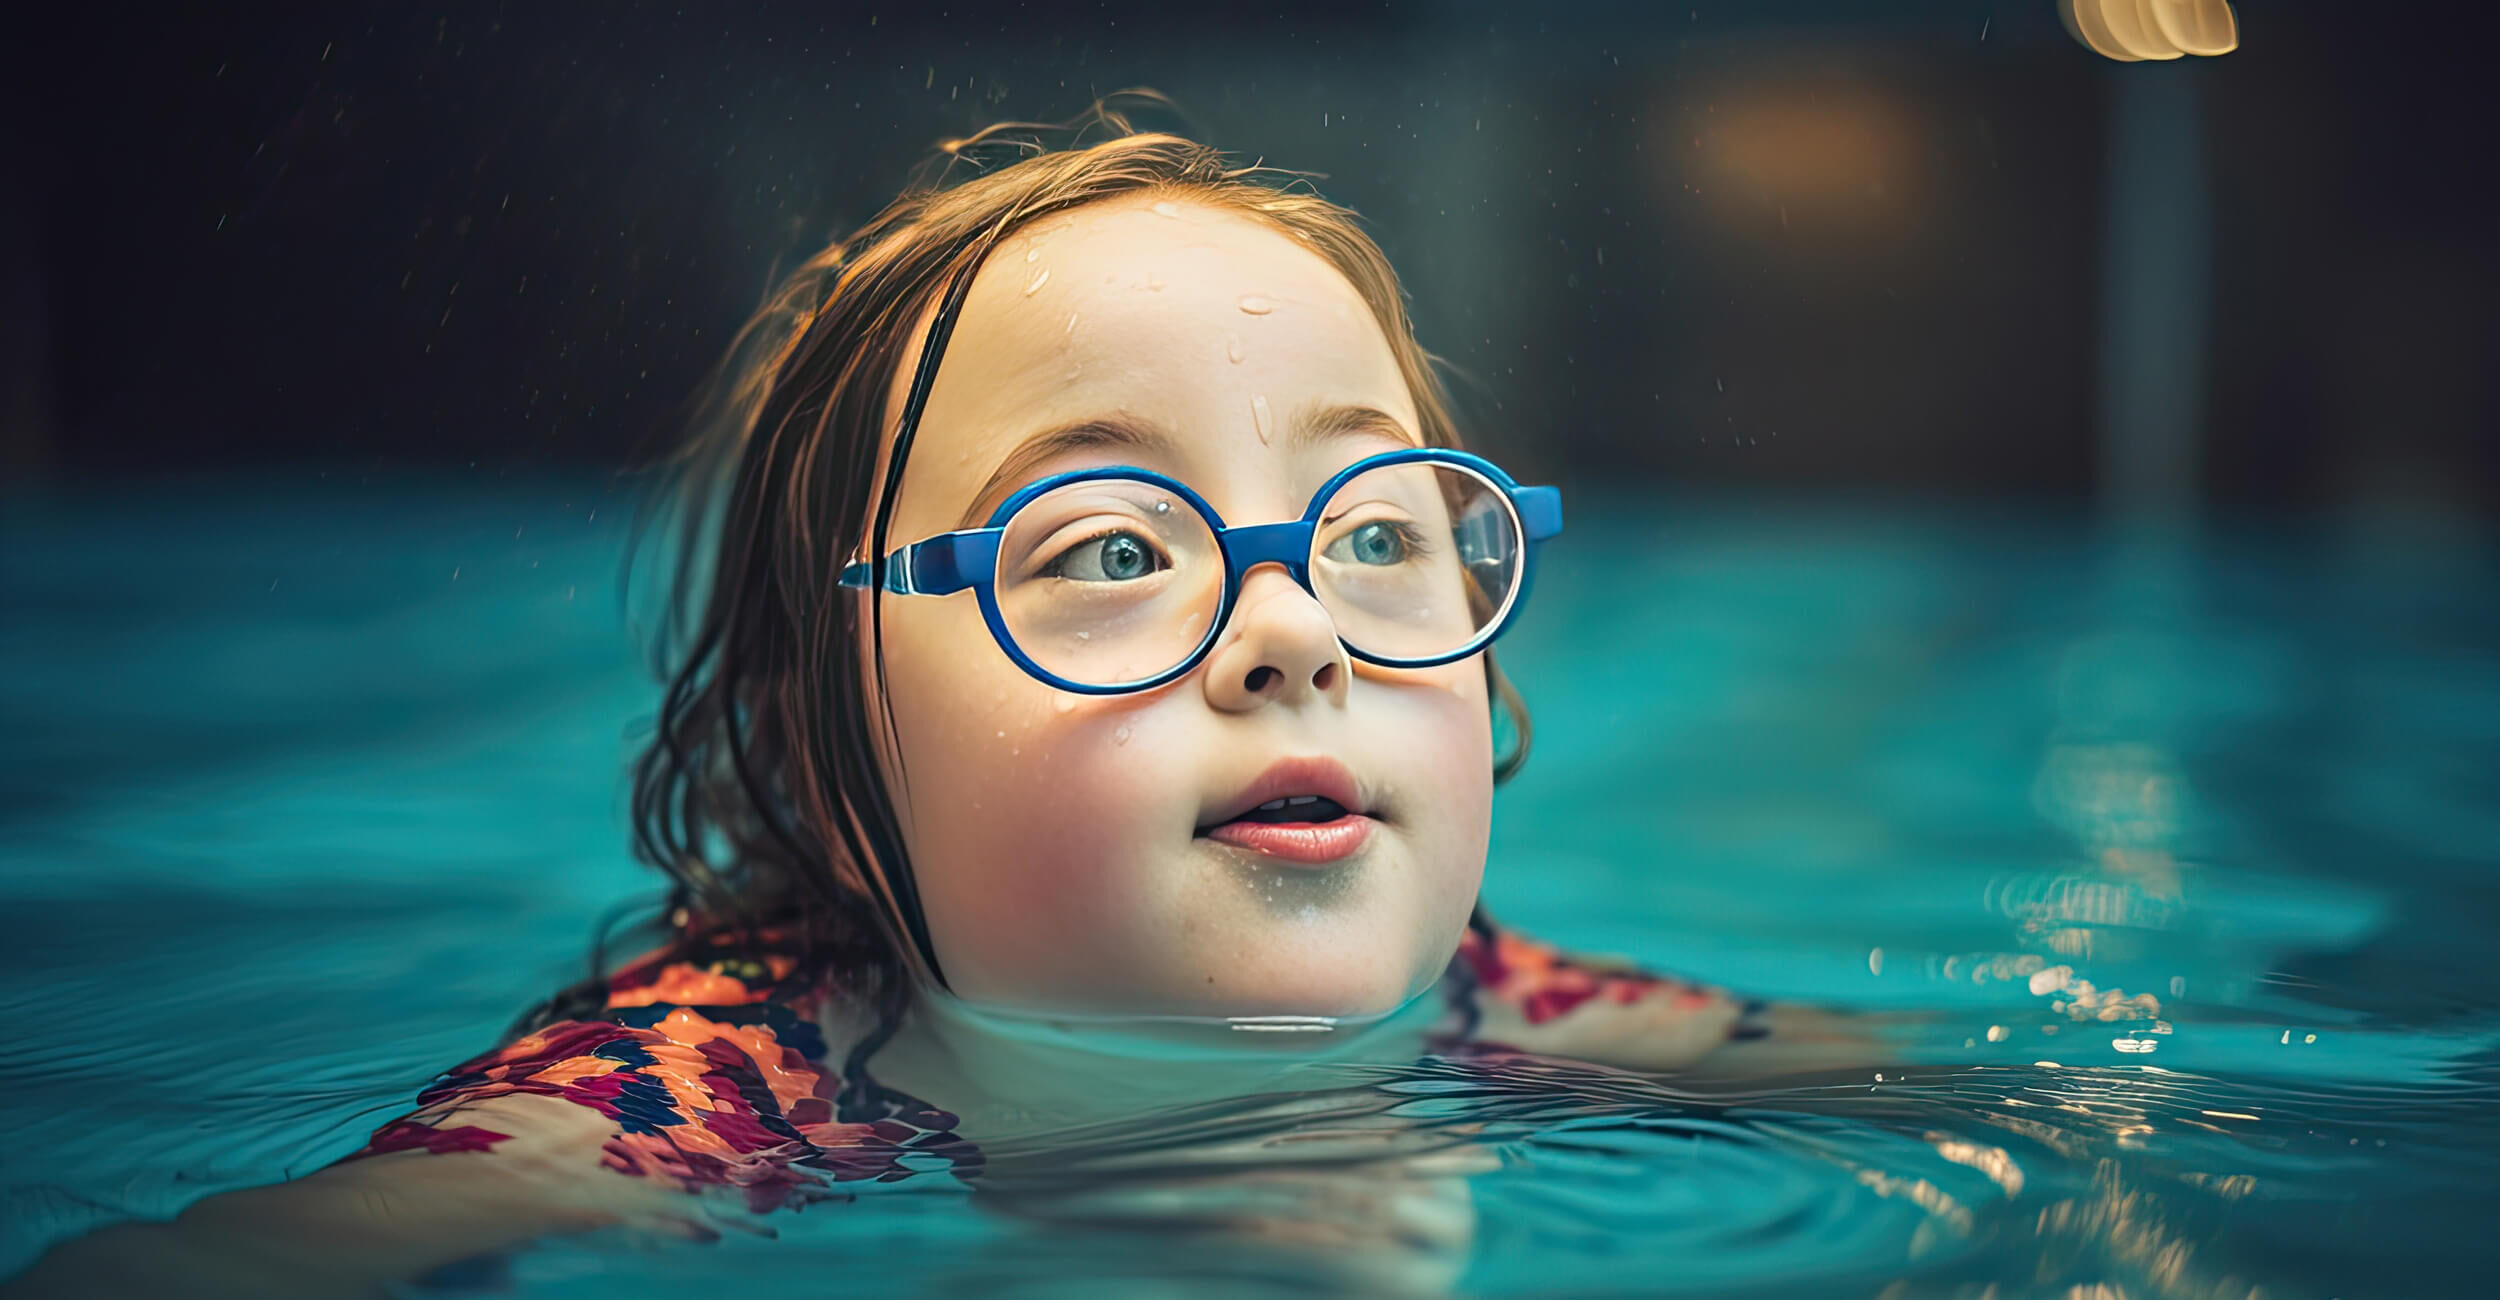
pixel 1113 557
pixel 1380 542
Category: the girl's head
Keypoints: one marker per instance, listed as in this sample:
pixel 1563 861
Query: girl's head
pixel 874 769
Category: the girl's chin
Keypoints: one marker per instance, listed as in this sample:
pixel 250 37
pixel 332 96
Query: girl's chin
pixel 1346 994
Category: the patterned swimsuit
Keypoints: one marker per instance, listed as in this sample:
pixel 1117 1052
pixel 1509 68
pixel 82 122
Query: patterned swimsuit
pixel 715 1072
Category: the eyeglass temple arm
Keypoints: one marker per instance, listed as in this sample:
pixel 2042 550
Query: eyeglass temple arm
pixel 1540 511
pixel 935 567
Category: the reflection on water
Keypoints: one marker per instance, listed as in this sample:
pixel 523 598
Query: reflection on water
pixel 2167 862
pixel 1518 1175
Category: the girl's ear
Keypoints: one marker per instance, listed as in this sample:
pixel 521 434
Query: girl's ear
pixel 1510 716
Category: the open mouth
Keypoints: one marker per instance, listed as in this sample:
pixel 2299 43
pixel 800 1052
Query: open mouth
pixel 1295 810
pixel 1300 811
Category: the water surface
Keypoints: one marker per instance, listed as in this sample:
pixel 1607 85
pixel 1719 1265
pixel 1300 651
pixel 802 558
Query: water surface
pixel 2179 848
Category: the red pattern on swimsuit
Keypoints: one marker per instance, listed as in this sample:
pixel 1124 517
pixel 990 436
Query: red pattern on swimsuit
pixel 1544 984
pixel 714 1075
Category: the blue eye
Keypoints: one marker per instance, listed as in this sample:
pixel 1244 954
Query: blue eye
pixel 1380 542
pixel 1112 557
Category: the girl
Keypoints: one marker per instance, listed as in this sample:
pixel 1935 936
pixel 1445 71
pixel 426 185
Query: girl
pixel 1082 698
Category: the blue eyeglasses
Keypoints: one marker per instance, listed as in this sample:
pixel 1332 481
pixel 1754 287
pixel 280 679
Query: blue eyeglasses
pixel 1107 581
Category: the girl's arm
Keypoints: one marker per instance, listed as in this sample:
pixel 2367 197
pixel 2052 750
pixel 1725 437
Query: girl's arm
pixel 581 1124
pixel 357 1227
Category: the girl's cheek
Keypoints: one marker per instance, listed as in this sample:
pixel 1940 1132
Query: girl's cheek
pixel 1057 800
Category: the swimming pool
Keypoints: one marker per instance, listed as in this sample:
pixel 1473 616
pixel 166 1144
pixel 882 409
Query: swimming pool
pixel 2178 849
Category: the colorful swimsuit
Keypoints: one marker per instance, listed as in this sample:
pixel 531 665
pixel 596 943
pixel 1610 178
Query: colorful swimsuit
pixel 716 1072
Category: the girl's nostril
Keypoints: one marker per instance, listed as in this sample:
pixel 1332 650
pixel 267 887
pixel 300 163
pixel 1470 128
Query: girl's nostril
pixel 1325 678
pixel 1258 679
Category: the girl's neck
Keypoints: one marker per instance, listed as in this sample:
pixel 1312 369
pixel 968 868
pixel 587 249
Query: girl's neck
pixel 1014 1073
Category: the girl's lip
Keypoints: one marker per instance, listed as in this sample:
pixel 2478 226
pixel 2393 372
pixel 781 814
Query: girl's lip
pixel 1310 844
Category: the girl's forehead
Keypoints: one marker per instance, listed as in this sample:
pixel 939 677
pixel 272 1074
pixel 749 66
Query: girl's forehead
pixel 1208 323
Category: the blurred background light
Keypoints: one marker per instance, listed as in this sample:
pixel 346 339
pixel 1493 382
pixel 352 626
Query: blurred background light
pixel 2134 30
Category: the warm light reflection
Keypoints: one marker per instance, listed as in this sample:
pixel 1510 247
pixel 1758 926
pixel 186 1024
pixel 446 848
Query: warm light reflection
pixel 2131 31
pixel 1821 155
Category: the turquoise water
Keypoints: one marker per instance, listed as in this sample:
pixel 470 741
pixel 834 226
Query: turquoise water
pixel 310 787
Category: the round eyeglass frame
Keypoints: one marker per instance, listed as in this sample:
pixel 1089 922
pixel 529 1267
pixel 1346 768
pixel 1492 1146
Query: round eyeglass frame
pixel 968 558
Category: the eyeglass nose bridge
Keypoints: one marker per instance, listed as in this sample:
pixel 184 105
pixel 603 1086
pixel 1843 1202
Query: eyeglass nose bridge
pixel 1251 545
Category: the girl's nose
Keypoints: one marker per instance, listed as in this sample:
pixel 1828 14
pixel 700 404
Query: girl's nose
pixel 1281 647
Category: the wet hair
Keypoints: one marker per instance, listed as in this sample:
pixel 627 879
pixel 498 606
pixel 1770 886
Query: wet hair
pixel 760 792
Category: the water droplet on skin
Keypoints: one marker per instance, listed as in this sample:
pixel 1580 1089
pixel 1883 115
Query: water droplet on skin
pixel 1033 254
pixel 1257 305
pixel 1120 737
pixel 1071 329
pixel 1232 348
pixel 1084 636
pixel 1065 704
pixel 1166 210
pixel 1040 278
pixel 1002 735
pixel 1258 415
pixel 1154 281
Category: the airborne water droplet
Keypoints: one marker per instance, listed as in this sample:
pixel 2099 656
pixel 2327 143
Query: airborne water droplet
pixel 1258 414
pixel 1257 304
pixel 1232 347
pixel 1166 210
pixel 1039 279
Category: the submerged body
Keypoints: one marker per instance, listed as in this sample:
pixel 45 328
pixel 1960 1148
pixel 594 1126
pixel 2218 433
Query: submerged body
pixel 726 1071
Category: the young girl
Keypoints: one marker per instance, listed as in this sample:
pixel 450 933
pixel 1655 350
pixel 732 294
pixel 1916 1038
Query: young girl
pixel 1083 700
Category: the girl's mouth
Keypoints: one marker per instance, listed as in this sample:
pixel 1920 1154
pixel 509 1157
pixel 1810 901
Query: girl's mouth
pixel 1306 829
pixel 1295 810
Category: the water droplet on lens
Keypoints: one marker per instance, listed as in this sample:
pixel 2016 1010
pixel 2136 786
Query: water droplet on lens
pixel 1039 279
pixel 1232 348
pixel 1258 414
pixel 1166 210
pixel 1257 305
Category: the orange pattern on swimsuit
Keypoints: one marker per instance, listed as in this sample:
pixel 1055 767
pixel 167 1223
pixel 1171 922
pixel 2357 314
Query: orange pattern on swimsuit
pixel 714 1074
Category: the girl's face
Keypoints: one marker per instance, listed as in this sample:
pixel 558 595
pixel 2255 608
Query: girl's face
pixel 1060 841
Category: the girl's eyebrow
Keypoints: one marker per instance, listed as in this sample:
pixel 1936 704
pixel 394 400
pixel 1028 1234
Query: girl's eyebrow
pixel 1118 430
pixel 1314 422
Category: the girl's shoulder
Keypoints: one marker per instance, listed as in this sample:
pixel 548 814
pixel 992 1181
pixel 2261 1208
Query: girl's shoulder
pixel 1522 994
pixel 713 1066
